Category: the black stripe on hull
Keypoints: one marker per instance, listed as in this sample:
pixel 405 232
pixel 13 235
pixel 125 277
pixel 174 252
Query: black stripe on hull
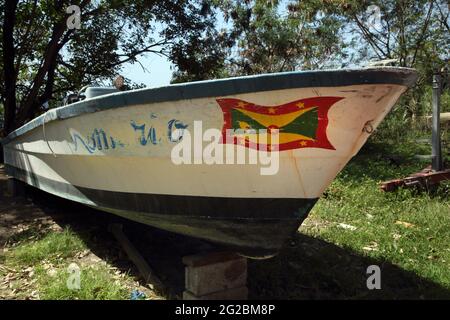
pixel 252 226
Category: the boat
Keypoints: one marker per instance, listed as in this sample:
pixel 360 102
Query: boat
pixel 143 154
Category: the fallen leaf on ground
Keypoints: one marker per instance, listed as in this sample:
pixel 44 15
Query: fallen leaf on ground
pixel 404 224
pixel 347 226
pixel 373 246
pixel 7 269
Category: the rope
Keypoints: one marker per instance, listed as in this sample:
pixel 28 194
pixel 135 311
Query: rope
pixel 45 138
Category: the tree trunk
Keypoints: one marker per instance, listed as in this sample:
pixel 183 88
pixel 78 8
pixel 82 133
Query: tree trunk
pixel 29 104
pixel 8 67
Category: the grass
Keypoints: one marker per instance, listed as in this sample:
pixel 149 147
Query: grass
pixel 40 269
pixel 406 227
pixel 58 245
pixel 96 283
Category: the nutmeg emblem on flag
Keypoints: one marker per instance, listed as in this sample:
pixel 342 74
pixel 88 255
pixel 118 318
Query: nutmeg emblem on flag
pixel 301 123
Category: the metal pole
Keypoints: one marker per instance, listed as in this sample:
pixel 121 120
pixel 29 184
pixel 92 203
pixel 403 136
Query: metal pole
pixel 436 156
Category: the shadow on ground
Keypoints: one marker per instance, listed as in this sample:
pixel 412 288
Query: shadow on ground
pixel 316 269
pixel 308 269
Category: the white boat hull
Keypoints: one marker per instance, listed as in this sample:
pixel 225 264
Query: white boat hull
pixel 110 158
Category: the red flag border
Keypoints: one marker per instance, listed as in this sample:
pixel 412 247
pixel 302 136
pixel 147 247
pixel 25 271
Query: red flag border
pixel 323 105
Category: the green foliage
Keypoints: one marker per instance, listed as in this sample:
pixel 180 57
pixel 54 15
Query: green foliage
pixel 271 36
pixel 53 245
pixel 47 256
pixel 201 58
pixel 355 199
pixel 274 36
pixel 96 283
pixel 409 122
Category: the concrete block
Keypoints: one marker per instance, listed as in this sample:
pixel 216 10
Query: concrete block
pixel 214 272
pixel 240 293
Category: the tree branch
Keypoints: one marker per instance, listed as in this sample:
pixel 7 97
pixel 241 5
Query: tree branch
pixel 369 36
pixel 25 38
pixel 443 19
pixel 50 54
pixel 147 49
pixel 423 32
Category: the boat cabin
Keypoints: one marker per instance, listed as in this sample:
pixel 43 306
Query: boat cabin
pixel 88 92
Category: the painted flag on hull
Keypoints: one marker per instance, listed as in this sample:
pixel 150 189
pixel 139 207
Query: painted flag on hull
pixel 301 123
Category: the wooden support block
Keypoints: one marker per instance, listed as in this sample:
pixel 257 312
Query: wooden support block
pixel 144 269
pixel 215 273
pixel 240 293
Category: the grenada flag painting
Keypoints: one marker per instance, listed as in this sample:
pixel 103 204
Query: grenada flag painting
pixel 300 123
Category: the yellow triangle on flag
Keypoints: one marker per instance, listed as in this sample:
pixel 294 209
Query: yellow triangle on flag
pixel 266 137
pixel 268 120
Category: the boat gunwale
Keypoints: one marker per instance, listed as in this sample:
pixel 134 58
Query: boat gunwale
pixel 224 87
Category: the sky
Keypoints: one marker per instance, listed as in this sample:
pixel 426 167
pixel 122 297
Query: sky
pixel 158 71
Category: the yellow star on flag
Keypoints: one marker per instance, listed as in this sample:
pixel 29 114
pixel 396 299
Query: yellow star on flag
pixel 300 105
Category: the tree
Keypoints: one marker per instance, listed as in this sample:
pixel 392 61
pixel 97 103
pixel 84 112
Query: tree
pixel 415 32
pixel 275 36
pixel 42 58
pixel 202 58
pixel 260 36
